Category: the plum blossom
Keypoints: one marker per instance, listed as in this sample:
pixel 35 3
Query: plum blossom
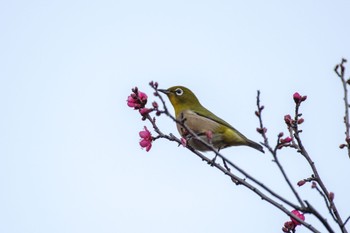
pixel 298 215
pixel 137 99
pixel 146 139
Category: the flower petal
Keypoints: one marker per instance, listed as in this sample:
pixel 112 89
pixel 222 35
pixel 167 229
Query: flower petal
pixel 144 143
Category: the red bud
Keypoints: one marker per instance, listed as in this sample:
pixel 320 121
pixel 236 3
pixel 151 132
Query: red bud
pixel 297 97
pixel 301 183
pixel 313 185
pixel 331 196
pixel 300 121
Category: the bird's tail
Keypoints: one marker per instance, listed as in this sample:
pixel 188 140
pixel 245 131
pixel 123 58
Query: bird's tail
pixel 255 145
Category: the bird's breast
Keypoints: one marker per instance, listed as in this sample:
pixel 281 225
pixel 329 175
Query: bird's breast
pixel 197 123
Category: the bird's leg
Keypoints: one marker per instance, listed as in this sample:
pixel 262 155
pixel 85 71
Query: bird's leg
pixel 211 162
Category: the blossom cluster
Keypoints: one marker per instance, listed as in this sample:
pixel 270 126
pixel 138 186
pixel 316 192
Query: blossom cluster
pixel 138 100
pixel 293 223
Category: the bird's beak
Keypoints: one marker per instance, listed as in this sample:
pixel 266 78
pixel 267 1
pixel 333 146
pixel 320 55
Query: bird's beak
pixel 164 91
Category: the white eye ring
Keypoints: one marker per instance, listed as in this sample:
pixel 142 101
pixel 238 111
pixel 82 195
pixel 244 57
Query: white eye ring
pixel 179 91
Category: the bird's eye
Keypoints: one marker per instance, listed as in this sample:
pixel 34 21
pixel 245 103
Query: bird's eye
pixel 179 91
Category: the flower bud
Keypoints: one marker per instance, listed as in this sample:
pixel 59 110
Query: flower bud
pixel 145 111
pixel 297 97
pixel 155 105
pixel 288 120
pixel 286 140
pixel 347 140
pixel 313 185
pixel 289 225
pixel 301 182
pixel 300 120
pixel 331 196
pixel 261 130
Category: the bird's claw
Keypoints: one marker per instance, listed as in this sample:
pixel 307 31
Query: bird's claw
pixel 212 162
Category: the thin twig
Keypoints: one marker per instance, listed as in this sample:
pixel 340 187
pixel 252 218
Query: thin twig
pixel 326 202
pixel 210 147
pixel 341 75
pixel 302 150
pixel 274 152
pixel 319 216
pixel 346 221
pixel 234 177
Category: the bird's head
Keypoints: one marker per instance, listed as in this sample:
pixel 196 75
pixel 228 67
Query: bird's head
pixel 181 98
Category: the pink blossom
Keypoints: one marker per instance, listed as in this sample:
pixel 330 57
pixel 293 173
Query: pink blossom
pixel 146 139
pixel 132 102
pixel 298 215
pixel 143 97
pixel 137 99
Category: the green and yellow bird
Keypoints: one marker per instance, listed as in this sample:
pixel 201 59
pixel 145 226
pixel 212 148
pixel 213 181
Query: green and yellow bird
pixel 204 123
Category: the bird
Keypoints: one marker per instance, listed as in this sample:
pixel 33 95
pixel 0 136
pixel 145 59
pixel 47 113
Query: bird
pixel 205 124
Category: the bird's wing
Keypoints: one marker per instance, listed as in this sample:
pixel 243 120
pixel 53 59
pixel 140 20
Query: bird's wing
pixel 207 114
pixel 198 123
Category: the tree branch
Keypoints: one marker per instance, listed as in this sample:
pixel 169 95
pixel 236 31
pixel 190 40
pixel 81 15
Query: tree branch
pixel 341 75
pixel 274 152
pixel 302 150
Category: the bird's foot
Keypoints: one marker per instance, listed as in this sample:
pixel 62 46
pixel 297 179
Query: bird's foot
pixel 212 162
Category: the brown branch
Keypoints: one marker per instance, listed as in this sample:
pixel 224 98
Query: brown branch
pixel 210 147
pixel 274 198
pixel 326 202
pixel 346 221
pixel 274 151
pixel 341 75
pixel 319 216
pixel 302 150
pixel 237 180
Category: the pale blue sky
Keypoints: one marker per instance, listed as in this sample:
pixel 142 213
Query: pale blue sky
pixel 69 154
